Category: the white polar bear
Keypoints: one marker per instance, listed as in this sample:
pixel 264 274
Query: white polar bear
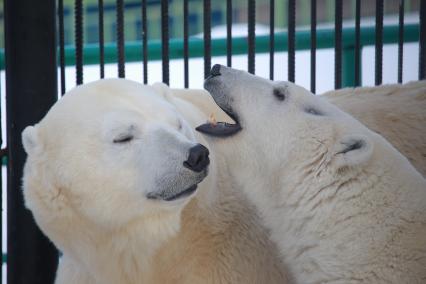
pixel 111 179
pixel 342 204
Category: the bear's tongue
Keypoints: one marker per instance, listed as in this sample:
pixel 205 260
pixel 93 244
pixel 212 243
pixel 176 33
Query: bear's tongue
pixel 219 129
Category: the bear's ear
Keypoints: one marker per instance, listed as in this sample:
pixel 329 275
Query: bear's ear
pixel 162 89
pixel 30 139
pixel 352 150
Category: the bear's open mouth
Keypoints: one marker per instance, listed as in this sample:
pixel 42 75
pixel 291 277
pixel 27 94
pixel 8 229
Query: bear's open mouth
pixel 221 129
pixel 171 196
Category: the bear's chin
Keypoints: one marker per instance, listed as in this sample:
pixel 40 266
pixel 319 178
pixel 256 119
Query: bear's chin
pixel 172 197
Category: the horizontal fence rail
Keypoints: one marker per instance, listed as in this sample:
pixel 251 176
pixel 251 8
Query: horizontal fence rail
pixel 325 39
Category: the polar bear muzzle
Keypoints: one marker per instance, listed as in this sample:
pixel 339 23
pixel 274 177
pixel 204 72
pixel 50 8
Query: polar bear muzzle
pixel 197 162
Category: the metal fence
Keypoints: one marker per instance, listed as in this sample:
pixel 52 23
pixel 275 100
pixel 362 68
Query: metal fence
pixel 34 28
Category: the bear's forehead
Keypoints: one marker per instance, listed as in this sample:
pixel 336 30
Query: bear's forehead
pixel 85 110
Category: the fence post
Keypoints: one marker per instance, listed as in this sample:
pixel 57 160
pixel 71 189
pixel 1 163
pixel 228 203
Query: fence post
pixel 31 89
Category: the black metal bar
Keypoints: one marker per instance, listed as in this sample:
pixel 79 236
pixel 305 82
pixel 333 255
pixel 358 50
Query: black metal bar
pixel 338 45
pixel 61 44
pixel 207 37
pixel 291 39
pixel 31 89
pixel 185 43
pixel 251 35
pixel 422 41
pixel 165 39
pixel 313 44
pixel 78 22
pixel 101 39
pixel 357 43
pixel 400 40
pixel 379 42
pixel 120 38
pixel 144 43
pixel 229 33
pixel 1 194
pixel 271 38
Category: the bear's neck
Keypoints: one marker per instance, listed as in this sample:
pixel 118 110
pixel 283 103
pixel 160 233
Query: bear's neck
pixel 122 255
pixel 311 212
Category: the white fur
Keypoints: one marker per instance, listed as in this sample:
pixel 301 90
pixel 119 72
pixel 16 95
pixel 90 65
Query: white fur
pixel 337 216
pixel 88 193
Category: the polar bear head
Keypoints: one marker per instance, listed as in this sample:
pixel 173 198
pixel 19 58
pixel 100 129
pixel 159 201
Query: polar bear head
pixel 280 127
pixel 109 154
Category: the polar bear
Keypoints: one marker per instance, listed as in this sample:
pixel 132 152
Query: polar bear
pixel 397 112
pixel 342 204
pixel 125 188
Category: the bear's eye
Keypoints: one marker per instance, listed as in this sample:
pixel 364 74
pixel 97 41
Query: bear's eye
pixel 123 139
pixel 279 94
pixel 313 111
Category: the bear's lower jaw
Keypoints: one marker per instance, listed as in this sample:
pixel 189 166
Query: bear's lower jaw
pixel 220 129
pixel 187 192
pixel 171 197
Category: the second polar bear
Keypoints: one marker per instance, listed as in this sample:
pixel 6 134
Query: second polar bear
pixel 343 204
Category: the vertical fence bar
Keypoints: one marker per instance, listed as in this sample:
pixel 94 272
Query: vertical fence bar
pixel 271 38
pixel 251 35
pixel 31 89
pixel 422 41
pixel 165 40
pixel 291 39
pixel 61 44
pixel 229 33
pixel 357 43
pixel 400 40
pixel 1 194
pixel 78 22
pixel 120 38
pixel 313 44
pixel 379 42
pixel 338 45
pixel 207 37
pixel 144 43
pixel 101 39
pixel 185 43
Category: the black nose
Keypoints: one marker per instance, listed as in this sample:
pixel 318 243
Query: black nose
pixel 198 158
pixel 215 70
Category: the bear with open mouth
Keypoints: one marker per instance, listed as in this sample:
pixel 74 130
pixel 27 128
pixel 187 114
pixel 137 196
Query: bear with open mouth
pixel 342 204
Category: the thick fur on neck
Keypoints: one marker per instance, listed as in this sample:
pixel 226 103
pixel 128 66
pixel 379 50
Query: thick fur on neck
pixel 346 225
pixel 93 254
pixel 220 242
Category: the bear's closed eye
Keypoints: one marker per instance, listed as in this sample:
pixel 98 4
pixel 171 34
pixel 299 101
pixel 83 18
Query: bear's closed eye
pixel 123 139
